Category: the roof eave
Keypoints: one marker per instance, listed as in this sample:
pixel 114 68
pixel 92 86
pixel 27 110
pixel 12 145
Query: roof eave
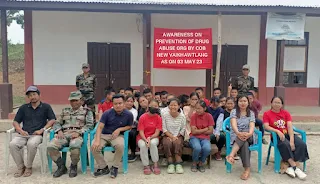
pixel 103 7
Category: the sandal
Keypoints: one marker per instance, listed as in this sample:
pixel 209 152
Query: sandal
pixel 194 168
pixel 201 168
pixel 230 159
pixel 19 172
pixel 146 170
pixel 27 172
pixel 245 175
pixel 156 170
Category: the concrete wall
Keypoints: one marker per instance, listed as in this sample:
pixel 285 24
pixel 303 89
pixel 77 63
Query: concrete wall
pixel 60 43
pixel 236 30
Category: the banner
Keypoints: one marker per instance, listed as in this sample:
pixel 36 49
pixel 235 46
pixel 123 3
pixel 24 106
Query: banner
pixel 285 27
pixel 182 48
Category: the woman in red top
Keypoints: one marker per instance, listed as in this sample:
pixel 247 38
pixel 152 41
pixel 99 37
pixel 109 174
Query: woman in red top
pixel 201 127
pixel 149 127
pixel 292 149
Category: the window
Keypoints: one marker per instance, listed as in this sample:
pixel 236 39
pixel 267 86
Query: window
pixel 296 62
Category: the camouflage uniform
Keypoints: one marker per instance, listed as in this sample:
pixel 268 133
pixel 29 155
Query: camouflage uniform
pixel 244 84
pixel 87 86
pixel 71 121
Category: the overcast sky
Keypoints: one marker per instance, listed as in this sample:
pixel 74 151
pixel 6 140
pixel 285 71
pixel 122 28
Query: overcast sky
pixel 15 33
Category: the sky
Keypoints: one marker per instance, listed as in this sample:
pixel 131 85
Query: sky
pixel 15 33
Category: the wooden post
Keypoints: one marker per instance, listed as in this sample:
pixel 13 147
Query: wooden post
pixel 5 88
pixel 146 39
pixel 279 89
pixel 217 76
pixel 4 41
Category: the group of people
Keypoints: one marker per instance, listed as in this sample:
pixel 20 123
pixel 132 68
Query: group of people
pixel 156 121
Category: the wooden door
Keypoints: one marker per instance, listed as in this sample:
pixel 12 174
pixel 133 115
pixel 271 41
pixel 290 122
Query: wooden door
pixel 233 57
pixel 98 58
pixel 237 57
pixel 120 65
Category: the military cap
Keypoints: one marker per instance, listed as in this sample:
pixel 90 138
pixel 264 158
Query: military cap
pixel 75 95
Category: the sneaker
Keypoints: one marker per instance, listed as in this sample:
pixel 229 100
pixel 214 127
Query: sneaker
pixel 114 172
pixel 101 172
pixel 146 170
pixel 290 172
pixel 300 174
pixel 179 169
pixel 132 158
pixel 217 156
pixel 264 141
pixel 171 169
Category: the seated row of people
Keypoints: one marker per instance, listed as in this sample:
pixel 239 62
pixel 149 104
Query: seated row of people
pixel 173 126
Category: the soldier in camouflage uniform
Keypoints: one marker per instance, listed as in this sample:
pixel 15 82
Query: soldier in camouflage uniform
pixel 244 83
pixel 73 122
pixel 86 83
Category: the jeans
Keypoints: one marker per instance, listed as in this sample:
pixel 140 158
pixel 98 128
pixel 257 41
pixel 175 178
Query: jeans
pixel 259 123
pixel 198 146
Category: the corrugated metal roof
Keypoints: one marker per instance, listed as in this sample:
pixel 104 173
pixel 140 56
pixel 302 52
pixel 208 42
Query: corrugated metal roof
pixel 281 3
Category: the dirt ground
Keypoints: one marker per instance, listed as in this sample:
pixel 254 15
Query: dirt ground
pixel 216 174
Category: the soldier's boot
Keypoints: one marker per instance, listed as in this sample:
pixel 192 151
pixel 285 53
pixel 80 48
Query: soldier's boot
pixel 73 171
pixel 62 169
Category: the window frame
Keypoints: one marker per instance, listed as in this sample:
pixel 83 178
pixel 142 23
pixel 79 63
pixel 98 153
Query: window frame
pixel 305 73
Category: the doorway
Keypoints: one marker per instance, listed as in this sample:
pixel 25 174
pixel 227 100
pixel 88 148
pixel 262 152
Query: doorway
pixel 110 62
pixel 233 57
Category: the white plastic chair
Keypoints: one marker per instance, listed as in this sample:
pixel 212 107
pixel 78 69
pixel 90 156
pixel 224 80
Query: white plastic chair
pixel 42 150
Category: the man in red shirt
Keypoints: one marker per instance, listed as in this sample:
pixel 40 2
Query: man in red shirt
pixel 107 104
pixel 200 92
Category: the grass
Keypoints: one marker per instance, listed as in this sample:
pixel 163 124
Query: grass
pixel 18 100
pixel 15 52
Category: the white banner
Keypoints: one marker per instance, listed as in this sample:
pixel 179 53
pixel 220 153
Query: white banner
pixel 285 27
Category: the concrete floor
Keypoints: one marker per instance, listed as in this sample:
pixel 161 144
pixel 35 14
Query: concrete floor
pixel 216 174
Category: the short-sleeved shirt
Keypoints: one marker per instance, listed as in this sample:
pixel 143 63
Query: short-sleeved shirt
pixel 113 120
pixel 105 106
pixel 201 121
pixel 34 119
pixel 277 120
pixel 173 125
pixel 243 123
pixel 149 123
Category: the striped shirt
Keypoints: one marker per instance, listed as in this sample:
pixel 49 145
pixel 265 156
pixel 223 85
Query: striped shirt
pixel 173 125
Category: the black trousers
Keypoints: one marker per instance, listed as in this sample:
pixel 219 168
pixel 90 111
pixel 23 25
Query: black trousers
pixel 259 123
pixel 132 140
pixel 300 154
pixel 220 143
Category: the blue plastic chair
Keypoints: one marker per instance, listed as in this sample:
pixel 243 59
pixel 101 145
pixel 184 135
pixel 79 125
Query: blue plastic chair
pixel 277 156
pixel 256 147
pixel 111 149
pixel 65 150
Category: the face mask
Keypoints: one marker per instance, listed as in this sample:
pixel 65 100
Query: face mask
pixel 153 110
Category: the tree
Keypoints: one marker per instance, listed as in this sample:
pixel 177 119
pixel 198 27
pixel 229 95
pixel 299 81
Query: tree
pixel 16 15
